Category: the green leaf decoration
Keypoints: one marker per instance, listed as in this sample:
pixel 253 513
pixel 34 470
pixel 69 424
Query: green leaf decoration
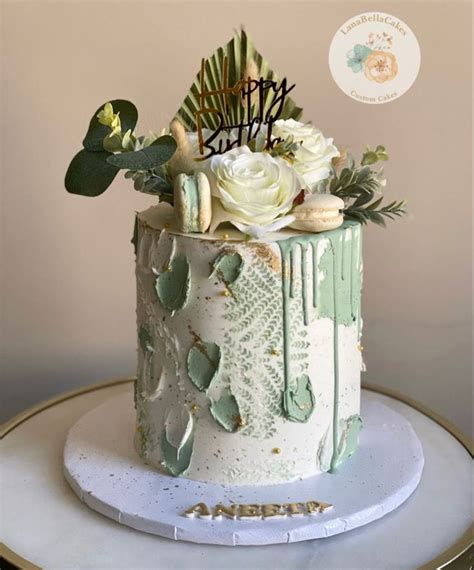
pixel 174 284
pixel 176 460
pixel 298 405
pixel 226 411
pixel 227 267
pixel 358 186
pixel 89 173
pixel 96 133
pixel 370 157
pixel 348 441
pixel 153 156
pixel 239 51
pixel 203 363
pixel 145 340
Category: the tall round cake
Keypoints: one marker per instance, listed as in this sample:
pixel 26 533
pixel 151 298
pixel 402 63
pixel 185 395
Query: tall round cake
pixel 249 351
pixel 249 274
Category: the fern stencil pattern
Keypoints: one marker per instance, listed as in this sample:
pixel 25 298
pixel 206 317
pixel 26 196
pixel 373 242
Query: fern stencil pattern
pixel 254 341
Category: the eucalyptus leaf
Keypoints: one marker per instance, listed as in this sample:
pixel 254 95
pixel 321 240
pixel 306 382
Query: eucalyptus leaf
pixel 96 133
pixel 89 173
pixel 153 156
pixel 157 185
pixel 369 157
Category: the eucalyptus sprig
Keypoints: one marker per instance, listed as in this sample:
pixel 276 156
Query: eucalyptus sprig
pixel 156 181
pixel 110 145
pixel 360 188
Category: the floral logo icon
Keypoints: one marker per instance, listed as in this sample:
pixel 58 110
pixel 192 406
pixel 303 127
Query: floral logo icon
pixel 374 58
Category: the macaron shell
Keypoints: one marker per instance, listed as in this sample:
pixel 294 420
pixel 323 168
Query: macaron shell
pixel 318 224
pixel 205 202
pixel 192 203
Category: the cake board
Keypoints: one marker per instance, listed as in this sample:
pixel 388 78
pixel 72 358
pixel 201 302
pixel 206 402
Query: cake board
pixel 106 473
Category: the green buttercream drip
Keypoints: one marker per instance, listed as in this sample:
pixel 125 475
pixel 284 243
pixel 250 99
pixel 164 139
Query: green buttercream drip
pixel 304 284
pixel 357 274
pixel 226 411
pixel 334 278
pixel 174 461
pixel 285 269
pixel 203 363
pixel 174 284
pixel 227 267
pixel 335 421
pixel 292 274
pixel 334 296
pixel 314 247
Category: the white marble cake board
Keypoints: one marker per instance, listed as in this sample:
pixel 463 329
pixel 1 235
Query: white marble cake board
pixel 104 470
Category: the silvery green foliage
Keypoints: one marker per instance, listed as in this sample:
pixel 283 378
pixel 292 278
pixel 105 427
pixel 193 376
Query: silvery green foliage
pixel 145 158
pixel 361 188
pixel 110 145
pixel 90 173
pixel 153 182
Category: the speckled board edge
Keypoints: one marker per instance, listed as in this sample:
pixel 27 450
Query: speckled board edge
pixel 103 469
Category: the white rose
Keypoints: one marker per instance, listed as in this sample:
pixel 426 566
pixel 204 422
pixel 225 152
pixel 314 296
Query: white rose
pixel 313 158
pixel 252 190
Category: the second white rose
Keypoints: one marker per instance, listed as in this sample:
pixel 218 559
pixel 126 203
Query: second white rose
pixel 313 158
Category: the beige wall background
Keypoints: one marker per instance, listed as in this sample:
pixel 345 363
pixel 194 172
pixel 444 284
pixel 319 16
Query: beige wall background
pixel 67 263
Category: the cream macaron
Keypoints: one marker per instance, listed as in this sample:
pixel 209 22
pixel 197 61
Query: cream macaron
pixel 192 202
pixel 318 213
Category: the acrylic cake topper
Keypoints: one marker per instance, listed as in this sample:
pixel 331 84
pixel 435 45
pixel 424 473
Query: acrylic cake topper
pixel 251 93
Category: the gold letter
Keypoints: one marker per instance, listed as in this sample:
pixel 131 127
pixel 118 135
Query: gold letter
pixel 315 507
pixel 222 510
pixel 294 509
pixel 273 511
pixel 249 511
pixel 199 510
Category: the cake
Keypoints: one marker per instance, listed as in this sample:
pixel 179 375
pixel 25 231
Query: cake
pixel 249 275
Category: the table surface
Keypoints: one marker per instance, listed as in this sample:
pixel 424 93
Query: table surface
pixel 50 527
